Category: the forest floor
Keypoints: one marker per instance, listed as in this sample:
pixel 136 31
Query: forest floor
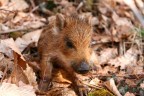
pixel 118 42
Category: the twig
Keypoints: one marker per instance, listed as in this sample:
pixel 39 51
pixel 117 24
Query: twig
pixel 7 10
pixel 32 3
pixel 19 29
pixel 125 75
pixel 92 86
pixel 43 9
pixel 135 10
pixel 80 4
pixel 140 4
pixel 34 9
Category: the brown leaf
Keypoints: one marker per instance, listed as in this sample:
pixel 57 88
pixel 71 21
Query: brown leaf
pixel 7 89
pixel 61 92
pixel 59 76
pixel 111 86
pixel 1 74
pixel 18 74
pixel 128 59
pixel 27 39
pixel 5 62
pixel 107 54
pixel 14 5
pixel 7 46
pixel 121 21
pixel 129 94
pixel 142 85
pixel 94 82
pixel 130 82
pixel 31 76
pixel 4 2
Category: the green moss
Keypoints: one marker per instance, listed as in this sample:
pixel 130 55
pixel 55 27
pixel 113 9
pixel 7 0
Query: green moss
pixel 142 32
pixel 100 92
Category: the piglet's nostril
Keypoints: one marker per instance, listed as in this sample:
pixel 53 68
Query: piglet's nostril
pixel 83 68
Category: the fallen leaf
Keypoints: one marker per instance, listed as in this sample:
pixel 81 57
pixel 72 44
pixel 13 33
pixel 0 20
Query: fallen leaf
pixel 142 85
pixel 111 86
pixel 94 82
pixel 15 5
pixel 121 21
pixel 134 69
pixel 1 74
pixel 59 76
pixel 31 76
pixel 10 44
pixel 130 82
pixel 4 48
pixel 18 73
pixel 128 59
pixel 7 47
pixel 6 63
pixel 129 94
pixel 4 2
pixel 107 54
pixel 28 38
pixel 61 92
pixel 8 89
pixel 123 32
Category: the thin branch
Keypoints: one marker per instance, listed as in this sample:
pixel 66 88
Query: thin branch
pixel 135 10
pixel 19 29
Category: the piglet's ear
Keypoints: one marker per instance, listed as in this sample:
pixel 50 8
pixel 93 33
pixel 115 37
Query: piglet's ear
pixel 60 21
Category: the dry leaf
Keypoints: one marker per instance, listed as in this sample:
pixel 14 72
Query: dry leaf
pixel 19 4
pixel 107 54
pixel 5 63
pixel 4 2
pixel 31 76
pixel 129 94
pixel 133 7
pixel 7 89
pixel 142 85
pixel 134 69
pixel 28 38
pixel 121 21
pixel 112 87
pixel 1 74
pixel 15 5
pixel 107 69
pixel 18 74
pixel 128 59
pixel 60 85
pixel 123 32
pixel 27 20
pixel 94 82
pixel 61 92
pixel 68 7
pixel 7 47
pixel 58 77
pixel 130 82
pixel 4 48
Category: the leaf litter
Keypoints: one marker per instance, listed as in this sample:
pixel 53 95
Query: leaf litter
pixel 117 43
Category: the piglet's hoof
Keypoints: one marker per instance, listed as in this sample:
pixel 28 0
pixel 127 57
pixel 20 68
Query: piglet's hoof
pixel 44 85
pixel 80 89
pixel 83 91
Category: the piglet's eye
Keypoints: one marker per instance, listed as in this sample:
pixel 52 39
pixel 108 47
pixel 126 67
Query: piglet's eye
pixel 69 44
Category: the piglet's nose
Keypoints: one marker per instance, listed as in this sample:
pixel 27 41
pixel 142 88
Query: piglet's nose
pixel 83 68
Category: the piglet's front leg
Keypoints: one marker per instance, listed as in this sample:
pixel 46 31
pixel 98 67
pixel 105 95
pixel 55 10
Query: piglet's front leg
pixel 79 88
pixel 46 73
